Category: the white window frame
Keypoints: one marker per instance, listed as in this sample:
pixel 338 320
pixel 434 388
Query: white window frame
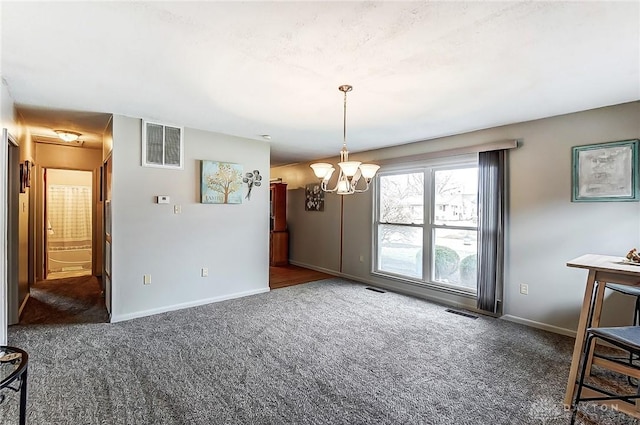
pixel 428 226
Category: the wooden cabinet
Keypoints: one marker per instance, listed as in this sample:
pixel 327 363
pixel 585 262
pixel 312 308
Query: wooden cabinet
pixel 279 239
pixel 278 207
pixel 279 248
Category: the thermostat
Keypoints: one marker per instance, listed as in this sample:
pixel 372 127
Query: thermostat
pixel 163 199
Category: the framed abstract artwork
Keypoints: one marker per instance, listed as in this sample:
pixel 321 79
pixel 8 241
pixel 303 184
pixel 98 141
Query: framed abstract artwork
pixel 314 198
pixel 605 172
pixel 27 173
pixel 23 178
pixel 220 183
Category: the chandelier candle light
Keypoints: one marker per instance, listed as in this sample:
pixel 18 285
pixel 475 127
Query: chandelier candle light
pixel 350 171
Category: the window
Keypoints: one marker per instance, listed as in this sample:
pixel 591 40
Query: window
pixel 426 224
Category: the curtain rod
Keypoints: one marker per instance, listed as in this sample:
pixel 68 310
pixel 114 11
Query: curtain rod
pixel 485 147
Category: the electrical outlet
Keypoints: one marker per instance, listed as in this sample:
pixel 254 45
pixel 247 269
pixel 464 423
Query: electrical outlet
pixel 177 209
pixel 147 279
pixel 524 289
pixel 362 258
pixel 204 272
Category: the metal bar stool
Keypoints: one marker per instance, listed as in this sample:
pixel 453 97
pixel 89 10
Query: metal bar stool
pixel 633 291
pixel 626 338
pixel 13 376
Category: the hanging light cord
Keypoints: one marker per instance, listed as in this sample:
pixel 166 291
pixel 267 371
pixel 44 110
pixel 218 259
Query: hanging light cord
pixel 344 122
pixel 344 153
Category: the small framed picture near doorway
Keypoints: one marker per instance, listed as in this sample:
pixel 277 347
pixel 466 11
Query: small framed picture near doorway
pixel 605 172
pixel 23 178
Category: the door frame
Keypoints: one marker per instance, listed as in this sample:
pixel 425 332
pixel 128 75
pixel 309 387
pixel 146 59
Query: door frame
pixel 7 140
pixel 45 215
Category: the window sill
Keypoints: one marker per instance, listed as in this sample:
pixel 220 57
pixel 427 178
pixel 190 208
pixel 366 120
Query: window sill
pixel 429 285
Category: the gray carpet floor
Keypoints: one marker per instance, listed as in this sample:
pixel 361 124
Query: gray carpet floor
pixel 326 352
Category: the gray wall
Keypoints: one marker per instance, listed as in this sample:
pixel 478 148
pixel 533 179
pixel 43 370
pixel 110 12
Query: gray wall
pixel 148 238
pixel 313 232
pixel 545 228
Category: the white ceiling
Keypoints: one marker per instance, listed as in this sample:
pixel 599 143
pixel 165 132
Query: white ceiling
pixel 420 70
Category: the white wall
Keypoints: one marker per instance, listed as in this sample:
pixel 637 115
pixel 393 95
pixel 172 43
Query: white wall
pixel 148 238
pixel 545 228
pixel 8 117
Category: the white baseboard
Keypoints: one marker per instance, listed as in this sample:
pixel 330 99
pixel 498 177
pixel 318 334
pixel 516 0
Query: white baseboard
pixel 123 317
pixel 539 325
pixel 316 268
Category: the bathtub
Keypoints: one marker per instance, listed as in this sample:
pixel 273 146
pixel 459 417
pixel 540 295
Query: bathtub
pixel 70 257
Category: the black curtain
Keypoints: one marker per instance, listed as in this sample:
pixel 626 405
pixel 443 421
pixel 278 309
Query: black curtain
pixel 491 202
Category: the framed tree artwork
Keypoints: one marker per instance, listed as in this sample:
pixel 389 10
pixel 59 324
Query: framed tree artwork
pixel 605 172
pixel 221 183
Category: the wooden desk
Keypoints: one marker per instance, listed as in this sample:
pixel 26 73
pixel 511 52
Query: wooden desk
pixel 603 269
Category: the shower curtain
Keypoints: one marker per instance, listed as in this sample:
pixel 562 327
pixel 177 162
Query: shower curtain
pixel 69 213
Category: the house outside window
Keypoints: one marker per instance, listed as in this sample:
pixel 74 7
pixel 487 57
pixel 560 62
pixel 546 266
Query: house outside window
pixel 426 224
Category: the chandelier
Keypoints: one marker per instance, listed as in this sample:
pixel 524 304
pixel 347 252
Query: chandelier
pixel 351 172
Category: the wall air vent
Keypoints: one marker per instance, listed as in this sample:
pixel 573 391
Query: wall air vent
pixel 375 290
pixel 162 145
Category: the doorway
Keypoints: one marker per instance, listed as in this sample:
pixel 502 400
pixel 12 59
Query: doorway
pixel 68 291
pixel 68 221
pixel 9 226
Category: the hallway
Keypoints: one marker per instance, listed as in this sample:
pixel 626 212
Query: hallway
pixel 69 300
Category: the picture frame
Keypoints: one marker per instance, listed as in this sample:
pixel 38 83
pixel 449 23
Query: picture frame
pixel 23 175
pixel 314 197
pixel 220 182
pixel 605 172
pixel 27 167
pixel 100 184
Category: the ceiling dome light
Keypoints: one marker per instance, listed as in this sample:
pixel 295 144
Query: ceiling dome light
pixel 67 136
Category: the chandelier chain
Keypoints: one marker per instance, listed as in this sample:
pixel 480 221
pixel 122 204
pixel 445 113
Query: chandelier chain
pixel 344 121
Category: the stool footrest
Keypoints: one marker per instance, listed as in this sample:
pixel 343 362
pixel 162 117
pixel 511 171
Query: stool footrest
pixel 622 406
pixel 617 366
pixel 608 395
